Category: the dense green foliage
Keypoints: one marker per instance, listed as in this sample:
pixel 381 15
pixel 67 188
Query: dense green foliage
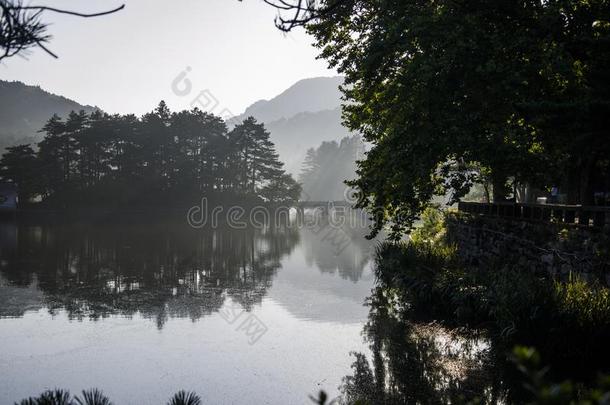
pixel 568 321
pixel 326 168
pixel 442 332
pixel 454 92
pixel 160 159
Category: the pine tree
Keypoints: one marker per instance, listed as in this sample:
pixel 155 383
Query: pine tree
pixel 258 161
pixel 19 166
pixel 51 157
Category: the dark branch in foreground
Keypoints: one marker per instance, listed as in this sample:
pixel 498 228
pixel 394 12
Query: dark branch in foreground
pixel 299 13
pixel 57 10
pixel 21 27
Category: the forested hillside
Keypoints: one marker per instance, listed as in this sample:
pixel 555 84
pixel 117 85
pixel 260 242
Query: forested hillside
pixel 25 109
pixel 327 167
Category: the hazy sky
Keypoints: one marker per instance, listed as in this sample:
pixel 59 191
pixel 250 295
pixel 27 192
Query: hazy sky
pixel 127 62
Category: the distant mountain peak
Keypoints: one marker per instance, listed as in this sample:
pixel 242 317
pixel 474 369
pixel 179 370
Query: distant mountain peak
pixel 307 95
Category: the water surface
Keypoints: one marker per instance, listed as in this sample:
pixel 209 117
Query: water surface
pixel 144 310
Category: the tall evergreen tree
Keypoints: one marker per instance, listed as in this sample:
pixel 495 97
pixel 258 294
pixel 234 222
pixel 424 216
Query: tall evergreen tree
pixel 258 161
pixel 51 157
pixel 19 166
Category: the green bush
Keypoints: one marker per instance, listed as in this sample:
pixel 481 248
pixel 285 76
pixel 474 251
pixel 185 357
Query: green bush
pixel 568 321
pixel 432 227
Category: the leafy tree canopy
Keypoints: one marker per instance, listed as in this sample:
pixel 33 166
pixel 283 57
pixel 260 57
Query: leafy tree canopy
pixel 445 90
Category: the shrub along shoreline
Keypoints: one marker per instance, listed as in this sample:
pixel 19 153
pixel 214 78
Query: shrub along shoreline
pixel 567 322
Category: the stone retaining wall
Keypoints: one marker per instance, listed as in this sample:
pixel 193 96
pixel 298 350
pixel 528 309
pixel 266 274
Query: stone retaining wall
pixel 554 249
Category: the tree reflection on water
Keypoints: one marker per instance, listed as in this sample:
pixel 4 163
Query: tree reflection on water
pixel 160 270
pixel 414 362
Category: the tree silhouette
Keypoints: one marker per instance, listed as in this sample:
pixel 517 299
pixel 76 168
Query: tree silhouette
pixel 258 161
pixel 162 159
pixel 299 13
pixel 18 166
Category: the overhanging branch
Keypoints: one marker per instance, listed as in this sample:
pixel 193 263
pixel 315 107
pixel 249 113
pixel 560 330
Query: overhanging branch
pixel 21 27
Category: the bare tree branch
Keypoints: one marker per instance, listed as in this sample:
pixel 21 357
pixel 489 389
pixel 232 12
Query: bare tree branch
pixel 21 27
pixel 299 13
pixel 57 10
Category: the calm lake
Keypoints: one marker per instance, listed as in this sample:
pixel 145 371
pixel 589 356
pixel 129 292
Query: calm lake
pixel 143 310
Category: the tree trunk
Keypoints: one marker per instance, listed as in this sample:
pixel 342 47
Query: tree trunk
pixel 500 190
pixel 572 186
pixel 586 193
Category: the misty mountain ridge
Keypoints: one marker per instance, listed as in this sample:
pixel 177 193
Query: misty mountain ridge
pixel 307 95
pixel 26 109
pixel 301 117
pixel 294 136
